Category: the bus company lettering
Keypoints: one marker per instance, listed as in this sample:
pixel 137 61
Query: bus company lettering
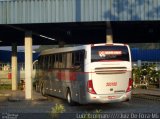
pixel 111 84
pixel 104 53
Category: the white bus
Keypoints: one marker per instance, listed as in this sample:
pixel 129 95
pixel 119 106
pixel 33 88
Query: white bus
pixel 95 73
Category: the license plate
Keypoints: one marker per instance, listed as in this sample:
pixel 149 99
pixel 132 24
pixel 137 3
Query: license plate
pixel 111 97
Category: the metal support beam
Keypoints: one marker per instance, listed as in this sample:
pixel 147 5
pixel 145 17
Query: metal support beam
pixel 14 66
pixel 109 36
pixel 28 65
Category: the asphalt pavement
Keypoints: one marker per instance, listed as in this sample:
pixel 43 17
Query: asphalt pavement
pixel 153 92
pixel 20 95
pixel 15 105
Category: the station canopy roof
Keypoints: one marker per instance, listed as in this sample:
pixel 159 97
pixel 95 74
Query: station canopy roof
pixel 80 33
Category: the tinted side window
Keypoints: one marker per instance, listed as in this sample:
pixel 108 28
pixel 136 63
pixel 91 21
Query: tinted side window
pixel 56 61
pixel 78 58
pixel 64 60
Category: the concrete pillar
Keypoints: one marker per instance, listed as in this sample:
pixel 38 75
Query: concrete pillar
pixel 14 66
pixel 109 36
pixel 28 65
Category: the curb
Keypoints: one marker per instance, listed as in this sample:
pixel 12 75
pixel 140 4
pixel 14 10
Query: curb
pixel 14 100
pixel 146 96
pixel 4 97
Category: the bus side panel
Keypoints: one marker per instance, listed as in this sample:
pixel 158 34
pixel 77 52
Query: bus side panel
pixel 76 86
pixel 47 85
pixel 66 83
pixel 56 83
pixel 43 79
pixel 72 85
pixel 69 82
pixel 83 88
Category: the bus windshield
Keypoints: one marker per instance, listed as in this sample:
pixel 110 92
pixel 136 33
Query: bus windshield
pixel 109 53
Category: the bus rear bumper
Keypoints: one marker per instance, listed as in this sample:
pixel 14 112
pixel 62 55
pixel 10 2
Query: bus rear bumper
pixel 94 98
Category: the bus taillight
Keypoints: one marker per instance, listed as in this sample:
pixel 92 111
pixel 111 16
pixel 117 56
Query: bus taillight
pixel 90 87
pixel 129 85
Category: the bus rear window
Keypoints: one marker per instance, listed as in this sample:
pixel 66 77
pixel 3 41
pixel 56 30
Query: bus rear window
pixel 109 53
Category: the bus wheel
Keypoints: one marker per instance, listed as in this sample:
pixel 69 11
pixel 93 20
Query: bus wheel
pixel 69 98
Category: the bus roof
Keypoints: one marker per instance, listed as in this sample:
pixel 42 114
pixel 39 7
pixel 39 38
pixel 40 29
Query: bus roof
pixel 109 44
pixel 63 49
pixel 74 48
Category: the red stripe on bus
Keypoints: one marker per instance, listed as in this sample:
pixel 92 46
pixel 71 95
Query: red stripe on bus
pixel 62 75
pixel 72 75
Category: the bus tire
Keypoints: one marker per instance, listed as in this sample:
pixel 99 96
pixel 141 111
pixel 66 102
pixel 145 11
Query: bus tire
pixel 69 98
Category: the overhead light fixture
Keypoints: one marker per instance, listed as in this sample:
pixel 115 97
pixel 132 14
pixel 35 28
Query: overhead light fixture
pixel 21 29
pixel 46 37
pixel 1 41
